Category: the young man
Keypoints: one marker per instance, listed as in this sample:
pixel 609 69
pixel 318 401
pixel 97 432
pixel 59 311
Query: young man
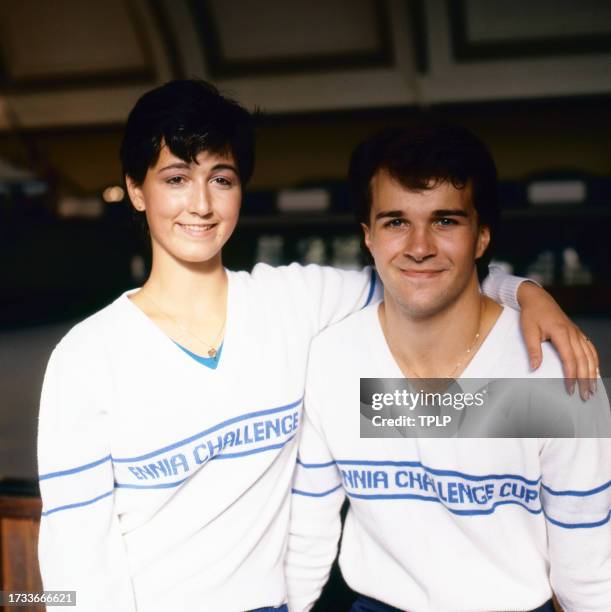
pixel 438 525
pixel 169 419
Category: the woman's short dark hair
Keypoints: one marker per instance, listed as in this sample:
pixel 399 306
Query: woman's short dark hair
pixel 423 157
pixel 189 116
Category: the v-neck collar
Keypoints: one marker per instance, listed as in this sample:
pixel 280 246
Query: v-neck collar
pixel 173 347
pixel 208 362
pixel 481 366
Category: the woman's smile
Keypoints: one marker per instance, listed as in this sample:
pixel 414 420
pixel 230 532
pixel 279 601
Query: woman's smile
pixel 197 230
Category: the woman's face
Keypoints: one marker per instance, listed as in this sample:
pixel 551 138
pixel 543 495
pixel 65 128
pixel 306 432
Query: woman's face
pixel 191 209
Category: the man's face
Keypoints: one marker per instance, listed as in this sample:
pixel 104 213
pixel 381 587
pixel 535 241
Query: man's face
pixel 424 244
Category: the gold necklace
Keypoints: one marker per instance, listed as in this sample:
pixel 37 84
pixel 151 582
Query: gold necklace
pixel 212 352
pixel 482 308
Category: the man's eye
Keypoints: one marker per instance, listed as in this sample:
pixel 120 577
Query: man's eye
pixel 175 180
pixel 222 180
pixel 395 223
pixel 445 222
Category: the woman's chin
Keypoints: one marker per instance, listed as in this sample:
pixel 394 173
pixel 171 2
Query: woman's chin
pixel 202 258
pixel 192 257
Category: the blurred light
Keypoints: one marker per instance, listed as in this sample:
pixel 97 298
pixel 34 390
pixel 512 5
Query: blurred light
pixel 138 268
pixel 87 207
pixel 113 194
pixel 34 188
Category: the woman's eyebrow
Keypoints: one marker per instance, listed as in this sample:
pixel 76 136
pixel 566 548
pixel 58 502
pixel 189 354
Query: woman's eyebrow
pixel 225 167
pixel 175 166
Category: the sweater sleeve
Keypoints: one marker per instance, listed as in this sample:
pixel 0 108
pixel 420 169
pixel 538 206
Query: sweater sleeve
pixel 333 294
pixel 330 294
pixel 315 525
pixel 576 501
pixel 80 545
pixel 502 287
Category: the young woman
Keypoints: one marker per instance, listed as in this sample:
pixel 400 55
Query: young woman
pixel 168 420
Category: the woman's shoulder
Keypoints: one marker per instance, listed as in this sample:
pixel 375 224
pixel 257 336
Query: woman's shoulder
pixel 95 331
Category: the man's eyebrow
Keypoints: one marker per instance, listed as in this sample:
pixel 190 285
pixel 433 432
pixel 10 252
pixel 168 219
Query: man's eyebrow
pixel 392 214
pixel 450 212
pixel 443 212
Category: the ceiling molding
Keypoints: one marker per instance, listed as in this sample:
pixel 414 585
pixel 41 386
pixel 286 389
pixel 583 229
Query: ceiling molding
pixel 59 61
pixel 514 45
pixel 268 63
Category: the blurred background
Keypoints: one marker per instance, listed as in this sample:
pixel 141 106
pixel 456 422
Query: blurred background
pixel 532 79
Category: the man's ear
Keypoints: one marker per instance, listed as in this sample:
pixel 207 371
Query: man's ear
pixel 367 236
pixel 483 240
pixel 135 194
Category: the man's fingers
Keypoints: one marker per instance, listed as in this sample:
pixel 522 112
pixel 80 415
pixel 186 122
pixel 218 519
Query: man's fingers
pixel 562 343
pixel 583 367
pixel 593 361
pixel 532 338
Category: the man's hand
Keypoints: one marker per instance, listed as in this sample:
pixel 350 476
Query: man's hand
pixel 542 319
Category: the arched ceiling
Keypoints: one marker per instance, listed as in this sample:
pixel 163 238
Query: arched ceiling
pixel 85 62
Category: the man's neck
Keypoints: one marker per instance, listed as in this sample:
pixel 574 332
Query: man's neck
pixel 440 345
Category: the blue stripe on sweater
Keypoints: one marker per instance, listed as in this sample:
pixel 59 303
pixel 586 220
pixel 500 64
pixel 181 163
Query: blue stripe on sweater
pixel 201 434
pixel 436 472
pixel 372 286
pixel 578 493
pixel 204 433
pixel 77 504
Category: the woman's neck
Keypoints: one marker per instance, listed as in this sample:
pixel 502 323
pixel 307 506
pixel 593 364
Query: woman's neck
pixel 185 288
pixel 188 302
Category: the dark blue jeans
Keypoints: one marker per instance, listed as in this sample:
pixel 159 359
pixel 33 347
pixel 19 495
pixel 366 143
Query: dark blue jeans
pixel 366 604
pixel 283 608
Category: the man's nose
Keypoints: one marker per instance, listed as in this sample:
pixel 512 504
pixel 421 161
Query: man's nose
pixel 419 244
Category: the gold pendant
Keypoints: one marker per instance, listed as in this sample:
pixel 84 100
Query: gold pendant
pixel 212 353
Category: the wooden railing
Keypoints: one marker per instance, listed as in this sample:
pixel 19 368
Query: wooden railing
pixel 19 521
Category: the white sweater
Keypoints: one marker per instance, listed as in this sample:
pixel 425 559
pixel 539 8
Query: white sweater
pixel 442 525
pixel 166 484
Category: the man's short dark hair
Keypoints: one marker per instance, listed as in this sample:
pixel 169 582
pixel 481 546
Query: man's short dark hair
pixel 189 116
pixel 423 157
